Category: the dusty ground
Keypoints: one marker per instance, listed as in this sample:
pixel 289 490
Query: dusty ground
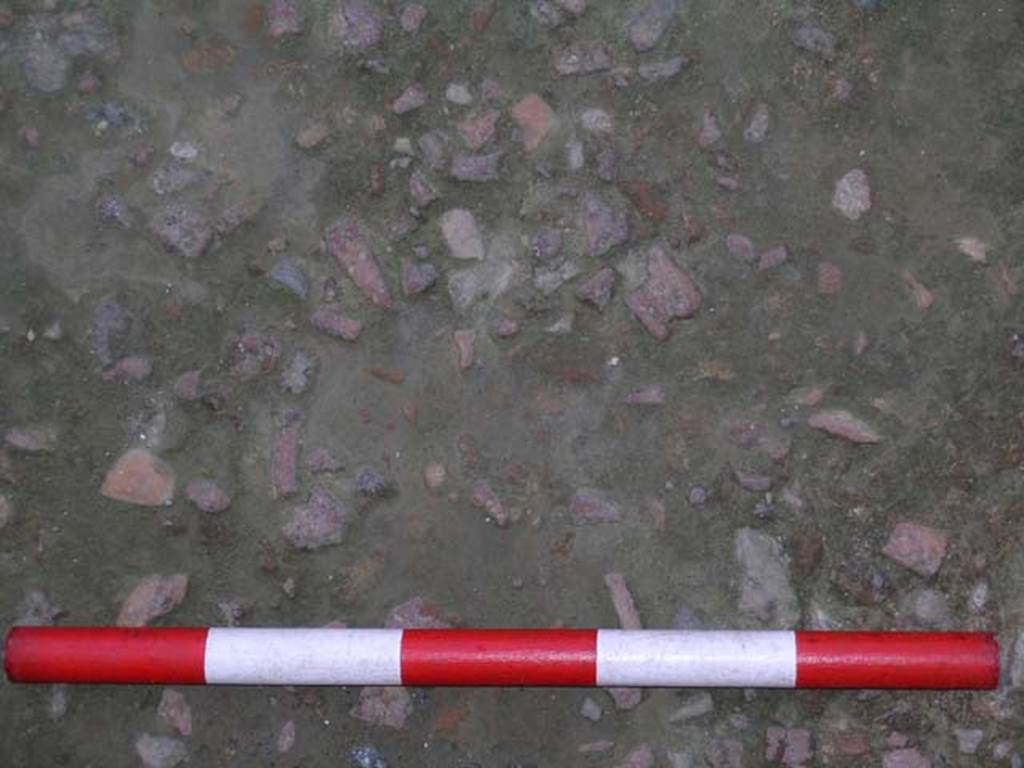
pixel 801 408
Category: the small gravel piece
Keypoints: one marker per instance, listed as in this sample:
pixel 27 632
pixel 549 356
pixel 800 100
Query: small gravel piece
pixel 852 194
pixel 160 751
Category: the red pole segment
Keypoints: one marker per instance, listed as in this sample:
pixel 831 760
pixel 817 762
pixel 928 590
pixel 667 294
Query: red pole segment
pixel 105 655
pixel 499 657
pixel 896 660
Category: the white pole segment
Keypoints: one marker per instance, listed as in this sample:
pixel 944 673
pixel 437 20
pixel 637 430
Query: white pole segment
pixel 304 656
pixel 696 659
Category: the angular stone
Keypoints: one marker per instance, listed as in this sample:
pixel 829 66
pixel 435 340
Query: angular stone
pixel 295 378
pixel 355 25
pixel 85 32
pixel 694 706
pixel 646 199
pixel 412 98
pixel 793 747
pixel 605 225
pixel 597 289
pixel 153 597
pixel 175 711
pixel 668 292
pixel 905 758
pixel 434 147
pixel 175 177
pixel 412 17
pixel 372 484
pixel 574 157
pixel 207 496
pixel 810 37
pixel 468 286
pixel 583 58
pixel 417 613
pixel 741 247
pixel 591 710
pixel 58 704
pixel 44 65
pixel 462 235
pixel 486 499
pixel 367 756
pixel 920 548
pixel 417 276
pixel 698 496
pixel 478 131
pixel 238 213
pixel 346 242
pixel 852 194
pixel 626 698
pixel 6 511
pixel 434 475
pixel 289 274
pixel 608 164
pixel 546 13
pixel 549 280
pixel 589 507
pixel 36 610
pixel 929 607
pixel 974 248
pixel 321 460
pixel 760 121
pixel 286 737
pixel 139 477
pixel 336 324
pixel 283 18
pixel 597 121
pixel 464 345
pixel 182 230
pixel 726 753
pixel 318 523
pixel 645 29
pixel 844 424
pixel 536 119
pixel 32 438
pixel 160 751
pixel 421 189
pixel 116 210
pixel 545 244
pixel 625 607
pixel 765 591
pixel 505 327
pixel 968 740
pixel 846 743
pixel 830 278
pixel 284 456
pixel 312 134
pixel 753 481
pixel 458 93
pixel 574 7
pixel 476 167
pixel 773 257
pixel 639 757
pixel 134 368
pixel 923 298
pixel 255 354
pixel 111 323
pixel 651 394
pixel 387 707
pixel 655 71
pixel 710 130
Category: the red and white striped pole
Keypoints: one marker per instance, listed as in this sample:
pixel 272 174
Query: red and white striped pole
pixel 502 657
